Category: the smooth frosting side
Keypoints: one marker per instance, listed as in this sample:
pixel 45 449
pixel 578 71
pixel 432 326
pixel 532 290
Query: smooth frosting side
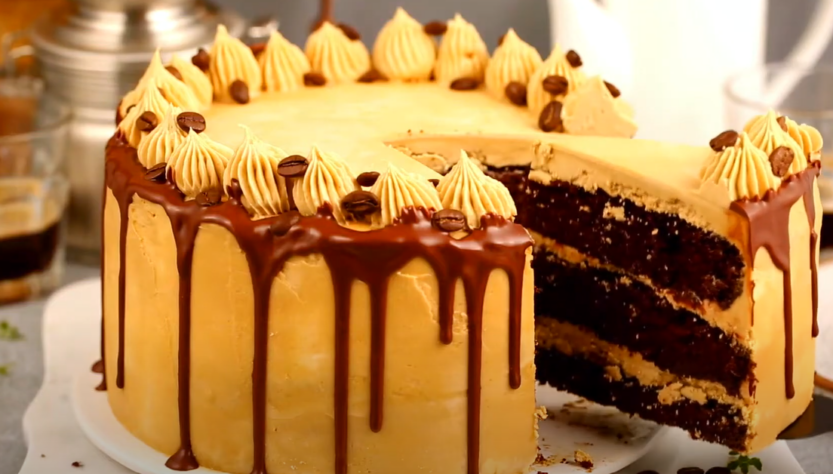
pixel 514 61
pixel 327 180
pixel 397 189
pixel 198 164
pixel 467 189
pixel 592 110
pixel 462 53
pixel 171 88
pixel 555 65
pixel 231 60
pixel 158 145
pixel 254 165
pixel 194 78
pixel 766 133
pixel 403 51
pixel 743 169
pixel 335 56
pixel 151 101
pixel 283 65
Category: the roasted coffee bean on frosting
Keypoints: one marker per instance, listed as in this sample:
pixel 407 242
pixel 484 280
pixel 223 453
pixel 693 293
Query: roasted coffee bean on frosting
pixel 435 28
pixel 212 197
pixel 202 60
pixel 555 85
pixel 550 118
pixel 465 84
pixel 293 166
pixel 573 58
pixel 516 93
pixel 314 79
pixel 372 75
pixel 174 72
pixel 239 92
pixel 724 140
pixel 360 204
pixel 157 173
pixel 367 179
pixel 449 220
pixel 782 122
pixel 350 32
pixel 284 223
pixel 780 159
pixel 614 91
pixel 191 121
pixel 147 121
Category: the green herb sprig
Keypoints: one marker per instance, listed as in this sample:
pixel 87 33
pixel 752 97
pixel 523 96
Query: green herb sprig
pixel 9 332
pixel 743 463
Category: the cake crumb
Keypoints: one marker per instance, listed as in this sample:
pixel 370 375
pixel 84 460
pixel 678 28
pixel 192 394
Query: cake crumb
pixel 541 413
pixel 77 464
pixel 584 460
pixel 613 212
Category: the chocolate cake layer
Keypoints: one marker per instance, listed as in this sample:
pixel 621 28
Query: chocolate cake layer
pixel 674 254
pixel 23 255
pixel 629 313
pixel 712 421
pixel 514 178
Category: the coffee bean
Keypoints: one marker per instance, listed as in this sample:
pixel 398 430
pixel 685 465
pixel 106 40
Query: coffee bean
pixel 724 140
pixel 719 470
pixel 212 197
pixel 555 85
pixel 293 166
pixel 202 60
pixel 465 84
pixel 156 173
pixel 435 28
pixel 147 121
pixel 782 122
pixel 516 93
pixel 614 91
pixel 368 178
pixel 284 223
pixel 372 76
pixel 500 40
pixel 573 58
pixel 315 79
pixel 359 204
pixel 780 159
pixel 257 49
pixel 191 121
pixel 449 220
pixel 174 71
pixel 434 181
pixel 239 92
pixel 690 470
pixel 351 33
pixel 550 118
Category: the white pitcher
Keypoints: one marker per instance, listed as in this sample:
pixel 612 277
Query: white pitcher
pixel 671 58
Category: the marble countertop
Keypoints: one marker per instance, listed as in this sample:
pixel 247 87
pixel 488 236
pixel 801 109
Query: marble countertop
pixel 26 374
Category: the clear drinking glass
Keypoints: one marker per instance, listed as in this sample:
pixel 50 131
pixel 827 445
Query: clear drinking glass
pixel 33 188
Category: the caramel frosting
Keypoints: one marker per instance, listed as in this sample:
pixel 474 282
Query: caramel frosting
pixel 397 189
pixel 592 110
pixel 514 61
pixel 151 101
pixel 335 56
pixel 198 164
pixel 254 165
pixel 808 137
pixel 743 169
pixel 172 89
pixel 283 65
pixel 555 65
pixel 158 145
pixel 231 60
pixel 462 53
pixel 194 78
pixel 467 189
pixel 403 51
pixel 327 180
pixel 766 133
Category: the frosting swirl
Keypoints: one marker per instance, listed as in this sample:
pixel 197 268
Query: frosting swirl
pixel 327 180
pixel 514 61
pixel 744 170
pixel 807 137
pixel 462 53
pixel 766 133
pixel 592 110
pixel 403 51
pixel 158 145
pixel 397 189
pixel 467 189
pixel 555 65
pixel 198 164
pixel 255 166
pixel 172 89
pixel 151 101
pixel 283 65
pixel 194 78
pixel 335 56
pixel 231 60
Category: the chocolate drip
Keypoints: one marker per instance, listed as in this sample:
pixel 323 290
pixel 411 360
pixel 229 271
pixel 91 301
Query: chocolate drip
pixel 769 227
pixel 124 201
pixel 370 257
pixel 810 209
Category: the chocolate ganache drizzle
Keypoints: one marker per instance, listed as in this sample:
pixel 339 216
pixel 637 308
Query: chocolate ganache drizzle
pixel 371 257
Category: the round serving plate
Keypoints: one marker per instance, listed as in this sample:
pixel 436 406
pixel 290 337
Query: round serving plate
pixel 610 438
